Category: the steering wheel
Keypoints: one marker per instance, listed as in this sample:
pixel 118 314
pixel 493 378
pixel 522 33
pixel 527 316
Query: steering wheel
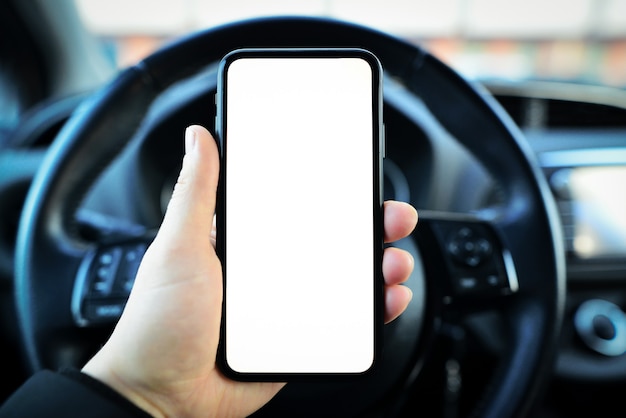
pixel 504 256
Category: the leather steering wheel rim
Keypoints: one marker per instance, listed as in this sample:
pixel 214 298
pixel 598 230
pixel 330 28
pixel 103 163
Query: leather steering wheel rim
pixel 101 127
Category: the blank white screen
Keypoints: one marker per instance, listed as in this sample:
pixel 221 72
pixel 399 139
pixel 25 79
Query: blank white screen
pixel 299 216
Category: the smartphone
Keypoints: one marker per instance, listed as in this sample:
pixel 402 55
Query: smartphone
pixel 300 215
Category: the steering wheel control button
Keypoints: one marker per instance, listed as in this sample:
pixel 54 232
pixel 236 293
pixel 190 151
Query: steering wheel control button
pixel 482 284
pixel 601 325
pixel 467 283
pixel 104 272
pixel 128 269
pixel 493 280
pixel 104 282
pixel 476 262
pixel 469 248
pixel 103 310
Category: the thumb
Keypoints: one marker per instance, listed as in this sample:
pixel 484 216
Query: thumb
pixel 192 205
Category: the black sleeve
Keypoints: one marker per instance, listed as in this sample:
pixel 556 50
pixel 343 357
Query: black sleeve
pixel 68 394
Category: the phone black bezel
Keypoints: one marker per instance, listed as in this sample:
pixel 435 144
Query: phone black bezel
pixel 377 204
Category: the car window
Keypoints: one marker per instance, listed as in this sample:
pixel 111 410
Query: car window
pixel 568 40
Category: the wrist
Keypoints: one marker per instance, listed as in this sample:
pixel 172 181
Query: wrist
pixel 135 395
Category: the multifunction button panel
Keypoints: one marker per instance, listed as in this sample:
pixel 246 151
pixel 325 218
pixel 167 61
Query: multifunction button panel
pixel 104 282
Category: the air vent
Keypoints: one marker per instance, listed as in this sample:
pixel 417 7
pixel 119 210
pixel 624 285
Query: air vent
pixel 542 104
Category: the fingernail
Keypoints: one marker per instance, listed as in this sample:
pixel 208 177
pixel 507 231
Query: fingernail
pixel 410 293
pixel 190 140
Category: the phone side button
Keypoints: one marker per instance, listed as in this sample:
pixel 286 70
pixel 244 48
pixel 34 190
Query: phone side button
pixel 383 141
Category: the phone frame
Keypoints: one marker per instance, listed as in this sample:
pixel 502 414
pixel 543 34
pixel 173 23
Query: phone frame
pixel 378 149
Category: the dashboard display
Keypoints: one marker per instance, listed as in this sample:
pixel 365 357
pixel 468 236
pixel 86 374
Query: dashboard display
pixel 598 209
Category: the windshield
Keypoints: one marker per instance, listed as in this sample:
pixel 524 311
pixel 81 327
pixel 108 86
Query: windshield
pixel 566 40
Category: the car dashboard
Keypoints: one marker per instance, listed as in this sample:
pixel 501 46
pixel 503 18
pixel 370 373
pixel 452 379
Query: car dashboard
pixel 578 134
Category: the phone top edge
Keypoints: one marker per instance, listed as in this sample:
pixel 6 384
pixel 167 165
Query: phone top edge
pixel 303 52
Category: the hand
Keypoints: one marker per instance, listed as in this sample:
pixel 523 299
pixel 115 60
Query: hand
pixel 162 352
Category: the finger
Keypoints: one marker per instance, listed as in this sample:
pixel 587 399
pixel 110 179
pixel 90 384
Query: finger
pixel 192 205
pixel 400 220
pixel 397 298
pixel 397 265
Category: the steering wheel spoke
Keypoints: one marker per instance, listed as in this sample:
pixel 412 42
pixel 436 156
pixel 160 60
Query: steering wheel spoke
pixel 470 254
